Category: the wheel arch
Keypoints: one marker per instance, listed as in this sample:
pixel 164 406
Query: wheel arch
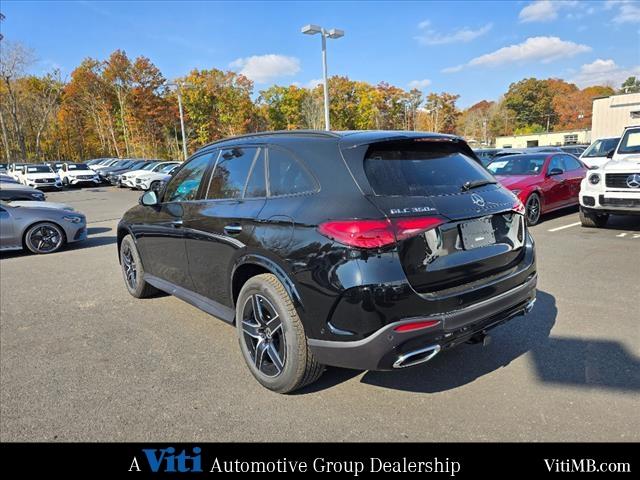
pixel 23 234
pixel 250 265
pixel 123 231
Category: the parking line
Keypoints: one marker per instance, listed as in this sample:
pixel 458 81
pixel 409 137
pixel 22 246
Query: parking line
pixel 621 235
pixel 637 235
pixel 564 226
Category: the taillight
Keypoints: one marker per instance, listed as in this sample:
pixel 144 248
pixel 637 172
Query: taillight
pixel 518 207
pixel 376 233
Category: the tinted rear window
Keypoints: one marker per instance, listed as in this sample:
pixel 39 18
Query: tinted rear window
pixel 420 170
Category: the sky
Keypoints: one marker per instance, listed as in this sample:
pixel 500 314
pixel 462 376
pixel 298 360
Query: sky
pixel 471 48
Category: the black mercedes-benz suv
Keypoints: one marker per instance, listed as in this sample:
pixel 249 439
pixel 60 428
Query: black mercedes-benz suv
pixel 369 250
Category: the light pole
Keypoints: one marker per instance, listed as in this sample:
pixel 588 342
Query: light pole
pixel 333 33
pixel 179 94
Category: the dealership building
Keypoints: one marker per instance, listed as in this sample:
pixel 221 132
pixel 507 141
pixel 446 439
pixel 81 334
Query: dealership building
pixel 610 116
pixel 569 137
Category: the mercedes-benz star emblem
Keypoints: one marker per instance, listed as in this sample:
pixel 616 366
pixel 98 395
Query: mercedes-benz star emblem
pixel 477 200
pixel 633 180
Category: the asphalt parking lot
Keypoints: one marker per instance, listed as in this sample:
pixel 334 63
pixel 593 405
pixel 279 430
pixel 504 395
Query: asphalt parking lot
pixel 81 360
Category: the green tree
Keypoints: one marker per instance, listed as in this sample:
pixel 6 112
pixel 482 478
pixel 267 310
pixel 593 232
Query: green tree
pixel 531 101
pixel 630 85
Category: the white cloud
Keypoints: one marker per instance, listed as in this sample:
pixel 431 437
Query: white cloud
pixel 533 49
pixel 454 69
pixel 430 36
pixel 544 10
pixel 627 11
pixel 419 84
pixel 313 83
pixel 603 72
pixel 265 68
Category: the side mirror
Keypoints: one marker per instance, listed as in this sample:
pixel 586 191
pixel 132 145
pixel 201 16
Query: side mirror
pixel 555 171
pixel 149 199
pixel 610 153
pixel 158 187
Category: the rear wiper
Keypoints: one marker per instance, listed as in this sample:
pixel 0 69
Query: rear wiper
pixel 476 183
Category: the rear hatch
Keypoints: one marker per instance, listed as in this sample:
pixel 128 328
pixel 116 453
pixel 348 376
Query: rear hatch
pixel 478 233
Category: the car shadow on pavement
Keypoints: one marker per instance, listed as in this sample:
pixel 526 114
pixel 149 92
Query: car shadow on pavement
pixel 92 242
pixel 563 212
pixel 97 230
pixel 560 360
pixel 623 222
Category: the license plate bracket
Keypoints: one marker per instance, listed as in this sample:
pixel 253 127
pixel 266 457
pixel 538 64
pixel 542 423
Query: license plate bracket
pixel 477 233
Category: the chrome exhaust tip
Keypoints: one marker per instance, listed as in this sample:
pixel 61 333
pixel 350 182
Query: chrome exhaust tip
pixel 417 356
pixel 529 306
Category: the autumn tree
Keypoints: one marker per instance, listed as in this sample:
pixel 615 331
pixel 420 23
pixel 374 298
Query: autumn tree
pixel 473 123
pixel 440 113
pixel 283 106
pixel 218 104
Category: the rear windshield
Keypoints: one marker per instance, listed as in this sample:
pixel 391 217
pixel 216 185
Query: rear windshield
pixel 420 170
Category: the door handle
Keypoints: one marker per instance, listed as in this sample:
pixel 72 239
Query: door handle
pixel 176 224
pixel 233 229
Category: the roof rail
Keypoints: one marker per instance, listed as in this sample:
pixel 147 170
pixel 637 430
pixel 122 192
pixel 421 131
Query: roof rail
pixel 319 133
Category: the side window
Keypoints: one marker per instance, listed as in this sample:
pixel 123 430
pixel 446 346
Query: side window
pixel 256 186
pixel 556 162
pixel 571 163
pixel 286 175
pixel 184 185
pixel 230 174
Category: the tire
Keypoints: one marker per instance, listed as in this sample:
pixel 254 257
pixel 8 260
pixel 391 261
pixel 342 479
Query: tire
pixel 593 220
pixel 286 362
pixel 533 207
pixel 65 182
pixel 153 185
pixel 44 237
pixel 132 270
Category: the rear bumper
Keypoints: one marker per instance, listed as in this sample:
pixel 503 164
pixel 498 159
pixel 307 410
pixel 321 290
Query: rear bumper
pixel 387 349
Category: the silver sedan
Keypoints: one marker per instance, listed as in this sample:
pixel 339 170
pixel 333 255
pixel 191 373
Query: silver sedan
pixel 39 228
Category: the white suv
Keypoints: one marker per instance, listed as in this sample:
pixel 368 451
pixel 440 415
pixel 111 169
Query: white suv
pixel 39 176
pixel 77 174
pixel 128 179
pixel 613 188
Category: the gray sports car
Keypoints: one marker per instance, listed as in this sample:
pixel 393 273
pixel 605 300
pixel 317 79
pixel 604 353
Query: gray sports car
pixel 39 228
pixel 16 191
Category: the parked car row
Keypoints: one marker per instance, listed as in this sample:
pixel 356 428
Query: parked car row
pixel 131 173
pixel 604 180
pixel 487 155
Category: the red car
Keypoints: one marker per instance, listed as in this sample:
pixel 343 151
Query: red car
pixel 542 181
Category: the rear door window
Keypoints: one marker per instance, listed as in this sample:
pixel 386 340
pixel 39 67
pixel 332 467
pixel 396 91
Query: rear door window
pixel 256 186
pixel 287 176
pixel 401 169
